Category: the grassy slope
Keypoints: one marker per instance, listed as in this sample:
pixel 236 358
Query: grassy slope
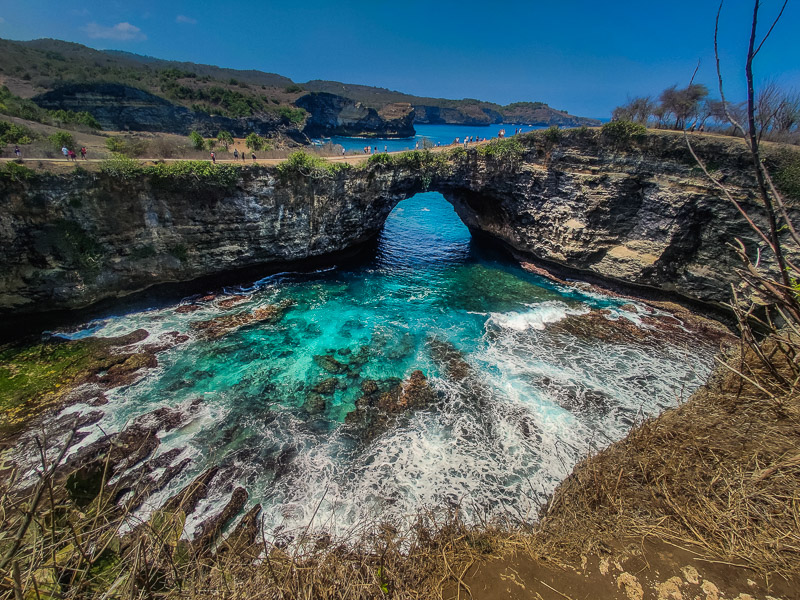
pixel 36 66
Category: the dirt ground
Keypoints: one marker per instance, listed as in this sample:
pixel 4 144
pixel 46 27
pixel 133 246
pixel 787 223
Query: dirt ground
pixel 640 570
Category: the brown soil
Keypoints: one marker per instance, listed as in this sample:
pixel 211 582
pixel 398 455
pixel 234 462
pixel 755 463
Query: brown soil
pixel 643 570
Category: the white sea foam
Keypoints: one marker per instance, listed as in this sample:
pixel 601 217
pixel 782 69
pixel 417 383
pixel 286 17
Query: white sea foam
pixel 537 317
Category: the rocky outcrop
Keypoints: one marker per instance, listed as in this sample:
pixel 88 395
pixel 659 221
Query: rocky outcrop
pixel 435 115
pixel 639 213
pixel 520 113
pixel 124 108
pixel 336 115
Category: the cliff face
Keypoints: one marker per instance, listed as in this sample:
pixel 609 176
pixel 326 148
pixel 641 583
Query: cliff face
pixel 336 115
pixel 121 107
pixel 642 215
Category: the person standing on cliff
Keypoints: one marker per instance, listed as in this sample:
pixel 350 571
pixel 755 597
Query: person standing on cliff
pixel 83 152
pixel 65 152
pixel 213 158
pixel 254 157
pixel 235 154
pixel 17 152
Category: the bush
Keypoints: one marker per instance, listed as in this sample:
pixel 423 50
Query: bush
pixel 16 172
pixel 254 142
pixel 553 135
pixel 623 131
pixel 295 116
pixel 225 138
pixel 11 133
pixel 309 166
pixel 509 148
pixel 293 89
pixel 197 141
pixel 121 167
pixel 192 172
pixel 380 159
pixel 61 139
pixel 126 146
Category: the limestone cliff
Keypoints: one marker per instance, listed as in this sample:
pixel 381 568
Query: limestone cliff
pixel 639 213
pixel 122 108
pixel 336 115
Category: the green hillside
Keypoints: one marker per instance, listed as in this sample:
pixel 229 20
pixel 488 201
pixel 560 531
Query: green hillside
pixel 32 67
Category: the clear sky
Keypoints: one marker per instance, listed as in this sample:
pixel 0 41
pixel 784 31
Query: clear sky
pixel 579 55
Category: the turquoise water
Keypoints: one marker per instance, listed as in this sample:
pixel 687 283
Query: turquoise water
pixel 535 399
pixel 435 134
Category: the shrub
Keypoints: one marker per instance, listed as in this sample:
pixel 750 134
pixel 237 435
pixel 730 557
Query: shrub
pixel 126 146
pixel 61 139
pixel 121 167
pixel 309 166
pixel 11 133
pixel 225 138
pixel 15 172
pixel 553 135
pixel 509 148
pixel 255 142
pixel 380 159
pixel 193 172
pixel 623 131
pixel 291 115
pixel 197 141
pixel 292 89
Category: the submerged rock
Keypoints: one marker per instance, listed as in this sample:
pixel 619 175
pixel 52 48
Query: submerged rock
pixel 187 308
pixel 450 359
pixel 232 301
pixel 385 401
pixel 326 386
pixel 329 364
pixel 219 326
pixel 595 326
pixel 315 404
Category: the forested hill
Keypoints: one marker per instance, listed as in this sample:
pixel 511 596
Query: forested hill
pixel 33 67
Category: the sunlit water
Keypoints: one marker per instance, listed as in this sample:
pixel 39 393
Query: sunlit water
pixel 495 443
pixel 441 135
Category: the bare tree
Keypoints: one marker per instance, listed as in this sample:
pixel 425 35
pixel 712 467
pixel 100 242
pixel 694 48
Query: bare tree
pixel 770 303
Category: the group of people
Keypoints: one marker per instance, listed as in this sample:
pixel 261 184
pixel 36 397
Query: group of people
pixel 370 150
pixel 470 139
pixel 235 156
pixel 69 154
pixel 244 157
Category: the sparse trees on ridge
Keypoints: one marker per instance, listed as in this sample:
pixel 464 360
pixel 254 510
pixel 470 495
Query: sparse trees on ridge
pixel 776 111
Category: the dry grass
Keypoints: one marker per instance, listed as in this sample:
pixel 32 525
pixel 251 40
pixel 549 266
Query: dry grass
pixel 720 474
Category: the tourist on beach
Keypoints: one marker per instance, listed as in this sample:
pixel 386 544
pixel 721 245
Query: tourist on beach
pixel 65 152
pixel 17 152
pixel 83 152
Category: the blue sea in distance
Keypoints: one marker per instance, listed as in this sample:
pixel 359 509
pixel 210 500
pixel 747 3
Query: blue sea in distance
pixel 435 134
pixel 496 442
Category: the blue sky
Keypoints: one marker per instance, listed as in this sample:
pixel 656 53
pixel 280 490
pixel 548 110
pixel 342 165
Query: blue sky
pixel 578 55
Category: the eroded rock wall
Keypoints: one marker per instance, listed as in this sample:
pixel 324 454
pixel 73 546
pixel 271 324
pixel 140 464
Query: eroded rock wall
pixel 640 214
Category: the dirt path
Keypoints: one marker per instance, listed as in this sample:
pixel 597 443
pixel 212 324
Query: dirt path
pixel 62 165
